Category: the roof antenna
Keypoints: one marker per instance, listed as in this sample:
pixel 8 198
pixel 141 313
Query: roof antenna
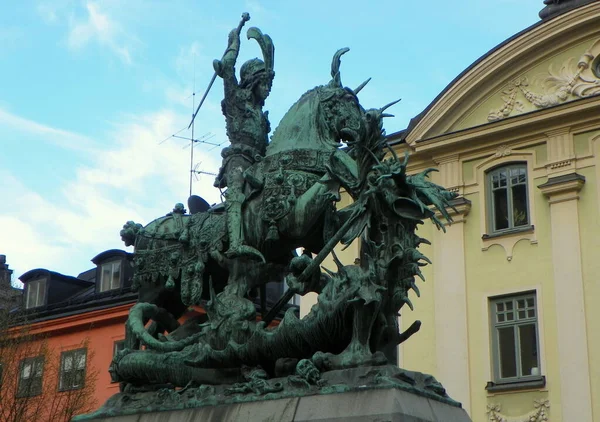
pixel 197 170
pixel 204 139
pixel 193 115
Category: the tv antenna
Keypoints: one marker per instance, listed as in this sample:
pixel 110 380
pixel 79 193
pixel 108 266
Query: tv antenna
pixel 204 139
pixel 198 172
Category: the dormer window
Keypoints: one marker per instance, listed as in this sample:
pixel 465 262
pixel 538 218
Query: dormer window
pixel 36 293
pixel 110 276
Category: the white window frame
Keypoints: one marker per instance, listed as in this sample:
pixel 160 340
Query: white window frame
pixel 36 293
pixel 112 284
pixel 491 205
pixel 497 323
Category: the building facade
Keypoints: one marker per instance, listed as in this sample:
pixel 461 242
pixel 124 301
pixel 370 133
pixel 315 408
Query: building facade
pixel 510 327
pixel 73 325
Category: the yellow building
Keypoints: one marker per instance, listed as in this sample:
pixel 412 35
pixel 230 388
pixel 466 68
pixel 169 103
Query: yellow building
pixel 510 327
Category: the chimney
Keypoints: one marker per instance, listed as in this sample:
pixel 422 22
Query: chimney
pixel 5 273
pixel 557 7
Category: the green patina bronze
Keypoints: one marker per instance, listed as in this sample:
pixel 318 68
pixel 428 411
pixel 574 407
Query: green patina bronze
pixel 281 195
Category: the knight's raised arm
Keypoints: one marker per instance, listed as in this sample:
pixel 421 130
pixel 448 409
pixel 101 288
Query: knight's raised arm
pixel 225 67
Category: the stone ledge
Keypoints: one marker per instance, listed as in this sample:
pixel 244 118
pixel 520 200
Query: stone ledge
pixel 370 405
pixel 536 383
pixel 208 401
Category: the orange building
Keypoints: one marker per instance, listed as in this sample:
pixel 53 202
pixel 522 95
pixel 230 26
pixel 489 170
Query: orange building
pixel 80 322
pixel 74 326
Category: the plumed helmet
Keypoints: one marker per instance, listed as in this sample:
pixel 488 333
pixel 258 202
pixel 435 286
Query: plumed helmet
pixel 251 71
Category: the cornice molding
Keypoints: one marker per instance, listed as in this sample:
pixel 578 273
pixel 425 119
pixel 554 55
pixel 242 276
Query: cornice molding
pixel 556 33
pixel 562 188
pixel 573 114
pixel 97 316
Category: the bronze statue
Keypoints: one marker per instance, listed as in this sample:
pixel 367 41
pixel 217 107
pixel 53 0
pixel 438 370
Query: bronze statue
pixel 281 196
pixel 247 127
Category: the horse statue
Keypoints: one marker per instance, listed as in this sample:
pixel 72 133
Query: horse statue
pixel 289 205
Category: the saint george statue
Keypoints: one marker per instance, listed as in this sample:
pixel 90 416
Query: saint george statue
pixel 247 127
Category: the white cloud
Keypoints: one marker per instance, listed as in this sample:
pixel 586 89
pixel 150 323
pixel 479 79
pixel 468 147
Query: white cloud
pixel 98 26
pixel 130 177
pixel 60 137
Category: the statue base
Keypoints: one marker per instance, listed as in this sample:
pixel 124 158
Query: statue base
pixel 378 393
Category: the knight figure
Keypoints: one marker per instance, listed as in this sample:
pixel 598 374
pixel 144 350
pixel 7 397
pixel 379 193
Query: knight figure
pixel 247 128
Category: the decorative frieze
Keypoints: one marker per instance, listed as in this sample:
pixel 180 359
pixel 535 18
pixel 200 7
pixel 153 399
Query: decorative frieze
pixel 573 80
pixel 538 414
pixel 503 151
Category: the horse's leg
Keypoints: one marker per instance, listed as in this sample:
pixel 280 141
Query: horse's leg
pixel 308 209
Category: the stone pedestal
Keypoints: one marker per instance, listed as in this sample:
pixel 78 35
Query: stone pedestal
pixel 375 405
pixel 368 393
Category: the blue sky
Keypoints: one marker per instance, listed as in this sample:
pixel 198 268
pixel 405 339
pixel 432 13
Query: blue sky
pixel 89 89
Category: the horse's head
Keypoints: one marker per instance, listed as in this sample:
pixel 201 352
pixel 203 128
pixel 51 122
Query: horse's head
pixel 323 117
pixel 342 113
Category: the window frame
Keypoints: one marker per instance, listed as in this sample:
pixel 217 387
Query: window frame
pixel 515 324
pixel 63 374
pixel 101 267
pixel 490 203
pixel 118 345
pixel 44 292
pixel 37 366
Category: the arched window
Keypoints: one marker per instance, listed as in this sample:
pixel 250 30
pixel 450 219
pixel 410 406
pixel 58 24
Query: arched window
pixel 507 198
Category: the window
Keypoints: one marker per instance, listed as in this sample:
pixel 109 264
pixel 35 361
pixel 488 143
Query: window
pixel 72 369
pixel 118 346
pixel 110 276
pixel 36 293
pixel 508 198
pixel 30 377
pixel 515 338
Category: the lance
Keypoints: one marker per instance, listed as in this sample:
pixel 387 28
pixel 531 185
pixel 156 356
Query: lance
pixel 311 268
pixel 245 18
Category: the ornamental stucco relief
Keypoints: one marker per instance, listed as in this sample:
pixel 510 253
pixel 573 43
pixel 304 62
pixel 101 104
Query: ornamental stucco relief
pixel 573 80
pixel 538 414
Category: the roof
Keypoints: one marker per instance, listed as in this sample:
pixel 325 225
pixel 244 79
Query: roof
pixel 42 272
pixel 86 301
pixel 111 253
pixel 82 295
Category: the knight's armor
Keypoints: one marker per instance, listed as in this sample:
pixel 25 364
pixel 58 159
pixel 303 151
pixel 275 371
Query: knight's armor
pixel 247 128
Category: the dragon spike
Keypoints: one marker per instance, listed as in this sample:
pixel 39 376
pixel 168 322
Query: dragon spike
pixel 387 115
pixel 409 303
pixel 335 66
pixel 337 261
pixel 392 151
pixel 361 86
pixel 389 105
